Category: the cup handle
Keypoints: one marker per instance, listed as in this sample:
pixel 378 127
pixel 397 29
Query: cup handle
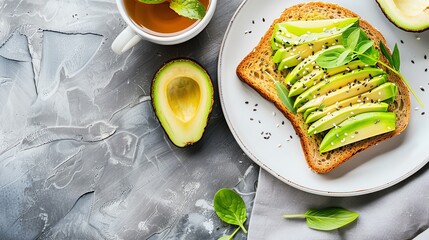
pixel 125 40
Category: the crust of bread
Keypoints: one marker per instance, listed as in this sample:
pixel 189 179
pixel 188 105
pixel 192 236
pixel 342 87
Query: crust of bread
pixel 251 71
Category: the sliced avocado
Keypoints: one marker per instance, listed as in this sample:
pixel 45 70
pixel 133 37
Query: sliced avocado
pixel 293 55
pixel 316 75
pixel 334 119
pixel 182 97
pixel 304 67
pixel 308 111
pixel 409 15
pixel 286 38
pixel 332 84
pixel 345 92
pixel 317 26
pixel 357 128
pixel 385 92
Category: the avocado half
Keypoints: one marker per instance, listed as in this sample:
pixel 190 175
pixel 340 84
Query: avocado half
pixel 410 15
pixel 182 98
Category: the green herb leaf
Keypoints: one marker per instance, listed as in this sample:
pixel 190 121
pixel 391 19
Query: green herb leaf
pixel 328 59
pixel 327 219
pixel 386 53
pixel 284 96
pixel 353 39
pixel 364 46
pixel 396 60
pixel 344 58
pixel 152 1
pixel 369 57
pixel 230 207
pixel 193 9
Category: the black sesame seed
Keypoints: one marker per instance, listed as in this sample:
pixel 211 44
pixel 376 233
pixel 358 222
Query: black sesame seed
pixel 402 42
pixel 253 21
pixel 422 89
pixel 256 105
pixel 254 109
pixel 250 31
pixel 283 122
pixel 246 102
pixel 259 121
pixel 426 57
pixel 251 119
pixel 263 19
pixel 426 69
pixel 423 113
pixel 412 61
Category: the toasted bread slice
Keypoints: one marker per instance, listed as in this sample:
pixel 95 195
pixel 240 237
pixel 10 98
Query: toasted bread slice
pixel 251 71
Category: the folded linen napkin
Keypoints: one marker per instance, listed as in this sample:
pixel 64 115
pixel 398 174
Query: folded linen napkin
pixel 399 212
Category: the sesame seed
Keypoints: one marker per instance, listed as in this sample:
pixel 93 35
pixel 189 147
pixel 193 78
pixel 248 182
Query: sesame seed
pixel 274 114
pixel 352 136
pixel 278 125
pixel 425 57
pixel 332 143
pixel 279 146
pixel 423 113
pixel 402 41
pixel 418 38
pixel 263 19
pixel 412 61
pixel 246 102
pixel 421 88
pixel 416 108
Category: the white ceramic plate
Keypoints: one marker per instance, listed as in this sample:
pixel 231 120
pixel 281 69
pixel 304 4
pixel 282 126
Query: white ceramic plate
pixel 257 125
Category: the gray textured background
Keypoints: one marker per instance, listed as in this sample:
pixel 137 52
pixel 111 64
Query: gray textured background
pixel 82 155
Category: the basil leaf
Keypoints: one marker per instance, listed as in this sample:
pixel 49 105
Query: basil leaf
pixel 328 59
pixel 396 60
pixel 344 58
pixel 353 39
pixel 364 46
pixel 152 1
pixel 284 96
pixel 230 207
pixel 369 57
pixel 386 53
pixel 329 218
pixel 193 9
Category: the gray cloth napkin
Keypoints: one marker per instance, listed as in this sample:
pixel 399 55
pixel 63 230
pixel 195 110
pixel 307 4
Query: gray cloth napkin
pixel 400 212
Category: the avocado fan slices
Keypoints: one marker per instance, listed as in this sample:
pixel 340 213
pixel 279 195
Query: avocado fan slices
pixel 345 104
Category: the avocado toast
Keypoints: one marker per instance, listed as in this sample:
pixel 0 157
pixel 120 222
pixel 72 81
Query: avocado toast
pixel 257 68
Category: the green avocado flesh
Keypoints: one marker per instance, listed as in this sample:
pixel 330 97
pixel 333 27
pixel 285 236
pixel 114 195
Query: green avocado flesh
pixel 338 81
pixel 345 103
pixel 316 75
pixel 357 128
pixel 182 97
pixel 410 15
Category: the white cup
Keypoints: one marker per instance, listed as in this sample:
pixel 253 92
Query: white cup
pixel 131 35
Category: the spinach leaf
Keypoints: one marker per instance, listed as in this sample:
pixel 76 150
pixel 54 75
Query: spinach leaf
pixel 326 219
pixel 230 207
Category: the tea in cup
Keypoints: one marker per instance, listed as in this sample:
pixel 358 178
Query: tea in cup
pixel 157 23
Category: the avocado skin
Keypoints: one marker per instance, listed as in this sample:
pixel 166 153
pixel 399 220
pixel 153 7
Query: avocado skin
pixel 154 107
pixel 420 29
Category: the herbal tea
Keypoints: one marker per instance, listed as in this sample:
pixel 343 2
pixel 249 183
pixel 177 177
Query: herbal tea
pixel 158 18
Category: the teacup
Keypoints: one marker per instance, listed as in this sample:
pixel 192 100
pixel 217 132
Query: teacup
pixel 135 32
